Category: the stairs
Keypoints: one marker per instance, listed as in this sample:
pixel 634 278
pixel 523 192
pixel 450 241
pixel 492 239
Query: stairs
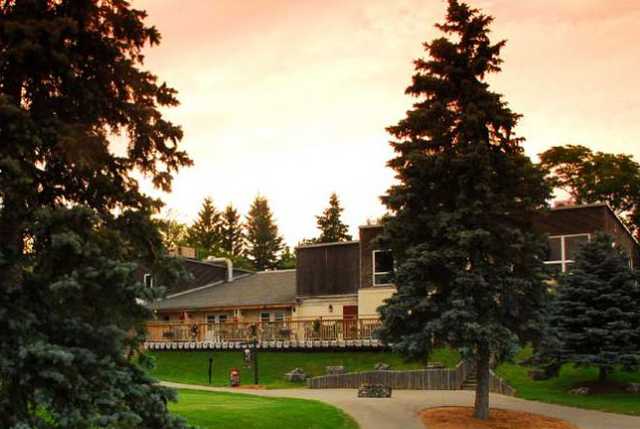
pixel 470 382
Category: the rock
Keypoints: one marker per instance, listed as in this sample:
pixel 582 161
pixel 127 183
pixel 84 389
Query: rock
pixel 335 370
pixel 633 388
pixel 381 366
pixel 296 375
pixel 538 374
pixel 582 391
pixel 374 391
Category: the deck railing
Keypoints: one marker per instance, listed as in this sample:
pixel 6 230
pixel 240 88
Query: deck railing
pixel 285 330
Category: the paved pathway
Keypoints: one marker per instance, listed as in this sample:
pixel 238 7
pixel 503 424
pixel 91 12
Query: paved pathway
pixel 401 411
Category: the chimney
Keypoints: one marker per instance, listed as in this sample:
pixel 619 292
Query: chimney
pixel 229 265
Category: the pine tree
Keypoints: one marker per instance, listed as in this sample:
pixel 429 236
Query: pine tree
pixel 73 220
pixel 594 316
pixel 206 232
pixel 330 224
pixel 261 234
pixel 232 240
pixel 468 264
pixel 287 259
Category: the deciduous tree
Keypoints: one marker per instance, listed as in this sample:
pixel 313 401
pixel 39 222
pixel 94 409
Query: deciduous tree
pixel 596 177
pixel 468 264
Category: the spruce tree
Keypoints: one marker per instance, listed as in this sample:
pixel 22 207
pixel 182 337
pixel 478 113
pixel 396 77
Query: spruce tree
pixel 330 223
pixel 468 263
pixel 206 232
pixel 593 319
pixel 73 220
pixel 261 234
pixel 232 240
pixel 287 259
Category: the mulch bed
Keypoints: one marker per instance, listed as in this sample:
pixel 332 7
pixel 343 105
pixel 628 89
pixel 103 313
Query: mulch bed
pixel 462 418
pixel 598 388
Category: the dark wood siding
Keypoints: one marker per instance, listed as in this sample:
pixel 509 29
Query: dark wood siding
pixel 331 269
pixel 566 221
pixel 368 234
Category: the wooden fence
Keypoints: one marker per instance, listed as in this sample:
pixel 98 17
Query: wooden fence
pixel 421 379
pixel 321 329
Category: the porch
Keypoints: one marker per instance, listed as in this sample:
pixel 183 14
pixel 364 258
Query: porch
pixel 288 333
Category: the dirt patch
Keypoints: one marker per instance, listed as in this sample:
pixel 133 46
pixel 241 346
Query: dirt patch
pixel 462 418
pixel 251 387
pixel 598 388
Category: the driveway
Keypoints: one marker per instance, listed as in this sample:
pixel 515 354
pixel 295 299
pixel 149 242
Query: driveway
pixel 401 411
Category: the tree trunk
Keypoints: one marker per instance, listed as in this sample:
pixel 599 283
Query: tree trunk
pixel 481 406
pixel 602 375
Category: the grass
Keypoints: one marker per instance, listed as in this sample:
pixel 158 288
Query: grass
pixel 233 410
pixel 555 390
pixel 192 367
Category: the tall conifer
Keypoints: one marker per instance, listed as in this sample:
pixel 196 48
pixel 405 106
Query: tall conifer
pixel 263 240
pixel 468 264
pixel 330 223
pixel 73 221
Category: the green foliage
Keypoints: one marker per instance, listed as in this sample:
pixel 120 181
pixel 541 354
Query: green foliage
pixel 231 231
pixel 263 242
pixel 232 410
pixel 73 220
pixel 287 259
pixel 594 317
pixel 330 224
pixel 174 233
pixel 205 235
pixel 191 367
pixel 556 390
pixel 593 177
pixel 468 265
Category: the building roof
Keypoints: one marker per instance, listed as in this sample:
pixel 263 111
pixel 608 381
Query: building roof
pixel 203 273
pixel 263 288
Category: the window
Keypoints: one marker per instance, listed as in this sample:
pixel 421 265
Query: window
pixel 216 318
pixel 265 317
pixel 382 267
pixel 279 316
pixel 562 250
pixel 148 281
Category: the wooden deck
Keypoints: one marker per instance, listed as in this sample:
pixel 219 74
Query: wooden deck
pixel 286 334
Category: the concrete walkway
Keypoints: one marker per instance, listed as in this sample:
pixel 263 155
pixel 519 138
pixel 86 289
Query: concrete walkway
pixel 401 411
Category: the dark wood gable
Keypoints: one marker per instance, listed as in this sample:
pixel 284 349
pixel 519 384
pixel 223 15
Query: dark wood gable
pixel 331 269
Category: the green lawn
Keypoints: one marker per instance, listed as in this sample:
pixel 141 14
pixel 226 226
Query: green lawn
pixel 191 367
pixel 556 389
pixel 232 410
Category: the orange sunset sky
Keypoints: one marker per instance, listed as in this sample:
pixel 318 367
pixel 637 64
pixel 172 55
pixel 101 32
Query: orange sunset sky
pixel 290 99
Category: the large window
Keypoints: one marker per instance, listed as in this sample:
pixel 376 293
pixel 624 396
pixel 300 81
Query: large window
pixel 382 267
pixel 148 281
pixel 562 250
pixel 265 317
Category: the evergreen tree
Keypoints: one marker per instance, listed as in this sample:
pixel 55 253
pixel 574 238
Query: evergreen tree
pixel 206 232
pixel 73 221
pixel 287 259
pixel 330 225
pixel 593 320
pixel 262 238
pixel 231 232
pixel 468 264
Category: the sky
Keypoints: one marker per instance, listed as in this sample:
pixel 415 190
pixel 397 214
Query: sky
pixel 290 99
